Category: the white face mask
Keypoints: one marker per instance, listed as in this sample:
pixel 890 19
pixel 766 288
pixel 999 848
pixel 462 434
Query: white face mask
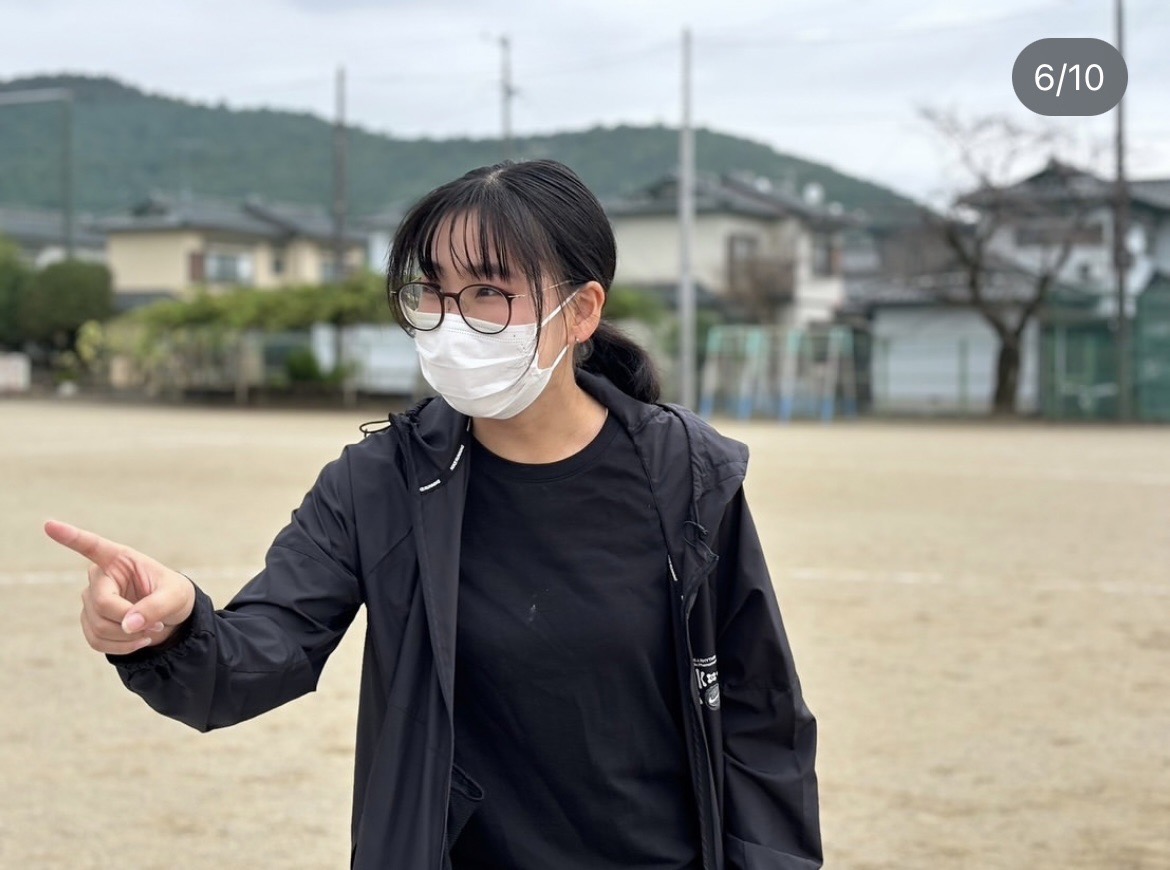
pixel 488 376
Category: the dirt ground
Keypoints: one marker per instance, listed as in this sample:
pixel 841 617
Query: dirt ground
pixel 980 614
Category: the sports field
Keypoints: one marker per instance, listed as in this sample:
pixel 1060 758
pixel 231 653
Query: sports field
pixel 981 617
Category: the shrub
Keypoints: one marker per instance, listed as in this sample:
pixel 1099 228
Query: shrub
pixel 63 296
pixel 14 278
pixel 302 367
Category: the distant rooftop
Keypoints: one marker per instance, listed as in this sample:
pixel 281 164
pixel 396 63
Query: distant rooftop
pixel 1059 182
pixel 253 217
pixel 34 227
pixel 731 193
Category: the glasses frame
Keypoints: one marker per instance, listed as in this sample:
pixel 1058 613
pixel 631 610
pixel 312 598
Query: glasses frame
pixel 458 297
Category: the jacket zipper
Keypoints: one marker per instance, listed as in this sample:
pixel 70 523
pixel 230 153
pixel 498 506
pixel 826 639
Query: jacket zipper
pixel 699 731
pixel 416 495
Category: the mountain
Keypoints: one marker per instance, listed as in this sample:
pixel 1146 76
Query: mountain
pixel 129 143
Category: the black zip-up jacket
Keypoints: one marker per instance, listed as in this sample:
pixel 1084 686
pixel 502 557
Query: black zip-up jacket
pixel 381 528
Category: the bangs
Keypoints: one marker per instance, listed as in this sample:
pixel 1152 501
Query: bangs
pixel 489 235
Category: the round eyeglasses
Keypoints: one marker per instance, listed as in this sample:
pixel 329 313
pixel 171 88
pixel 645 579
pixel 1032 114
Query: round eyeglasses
pixel 484 308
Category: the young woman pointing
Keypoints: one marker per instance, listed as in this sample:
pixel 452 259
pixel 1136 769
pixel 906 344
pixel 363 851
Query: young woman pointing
pixel 574 656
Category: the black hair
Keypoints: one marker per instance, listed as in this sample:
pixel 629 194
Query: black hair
pixel 534 218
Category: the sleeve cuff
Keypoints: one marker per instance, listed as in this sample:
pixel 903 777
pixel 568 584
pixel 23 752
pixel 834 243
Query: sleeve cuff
pixel 179 639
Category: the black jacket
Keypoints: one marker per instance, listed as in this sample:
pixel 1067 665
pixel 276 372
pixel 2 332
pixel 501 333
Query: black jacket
pixel 381 528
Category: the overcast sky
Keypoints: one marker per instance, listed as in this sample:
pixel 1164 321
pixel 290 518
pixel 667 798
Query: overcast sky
pixel 838 81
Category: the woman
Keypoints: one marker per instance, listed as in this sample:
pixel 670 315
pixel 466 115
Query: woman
pixel 574 656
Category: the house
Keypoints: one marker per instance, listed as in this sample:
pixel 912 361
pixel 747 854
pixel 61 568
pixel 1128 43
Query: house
pixel 767 255
pixel 931 351
pixel 167 247
pixel 379 228
pixel 40 236
pixel 1060 190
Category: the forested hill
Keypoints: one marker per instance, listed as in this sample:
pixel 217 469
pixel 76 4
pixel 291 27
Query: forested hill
pixel 129 143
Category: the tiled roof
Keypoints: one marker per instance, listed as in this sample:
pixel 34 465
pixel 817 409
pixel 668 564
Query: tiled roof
pixel 37 227
pixel 1059 182
pixel 253 217
pixel 1007 281
pixel 1154 191
pixel 738 194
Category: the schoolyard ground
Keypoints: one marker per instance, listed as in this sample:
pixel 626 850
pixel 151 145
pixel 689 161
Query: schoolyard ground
pixel 980 614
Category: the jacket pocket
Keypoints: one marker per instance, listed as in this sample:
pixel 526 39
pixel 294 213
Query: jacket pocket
pixel 464 800
pixel 741 855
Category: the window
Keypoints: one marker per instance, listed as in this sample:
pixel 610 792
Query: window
pixel 224 267
pixel 825 257
pixel 278 261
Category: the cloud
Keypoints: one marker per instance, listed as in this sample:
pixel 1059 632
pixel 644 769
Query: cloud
pixel 833 80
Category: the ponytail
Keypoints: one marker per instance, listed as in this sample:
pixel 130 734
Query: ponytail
pixel 621 360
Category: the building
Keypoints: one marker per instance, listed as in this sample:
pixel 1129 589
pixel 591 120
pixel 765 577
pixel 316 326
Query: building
pixel 932 351
pixel 766 255
pixel 379 229
pixel 929 351
pixel 167 247
pixel 40 236
pixel 1038 209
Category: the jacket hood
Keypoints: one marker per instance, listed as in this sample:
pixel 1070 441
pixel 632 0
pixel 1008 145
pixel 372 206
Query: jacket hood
pixel 438 437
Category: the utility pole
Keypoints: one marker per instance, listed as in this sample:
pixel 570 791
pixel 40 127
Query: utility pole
pixel 339 180
pixel 340 207
pixel 686 223
pixel 507 94
pixel 1121 256
pixel 65 97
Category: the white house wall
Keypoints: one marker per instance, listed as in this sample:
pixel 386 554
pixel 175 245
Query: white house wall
pixel 942 361
pixel 648 249
pixel 1098 259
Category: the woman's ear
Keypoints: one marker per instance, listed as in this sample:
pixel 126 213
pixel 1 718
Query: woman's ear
pixel 590 301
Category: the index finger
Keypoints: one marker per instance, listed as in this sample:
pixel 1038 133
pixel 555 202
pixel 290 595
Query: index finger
pixel 94 547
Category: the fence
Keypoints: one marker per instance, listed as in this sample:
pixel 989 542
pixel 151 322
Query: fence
pixel 374 359
pixel 761 371
pixel 933 376
pixel 1079 374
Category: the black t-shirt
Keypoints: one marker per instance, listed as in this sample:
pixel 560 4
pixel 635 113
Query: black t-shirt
pixel 567 703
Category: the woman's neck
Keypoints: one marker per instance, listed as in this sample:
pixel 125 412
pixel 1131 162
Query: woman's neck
pixel 560 423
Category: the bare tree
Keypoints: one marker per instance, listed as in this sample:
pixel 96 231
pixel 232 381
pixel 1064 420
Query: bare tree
pixel 1050 216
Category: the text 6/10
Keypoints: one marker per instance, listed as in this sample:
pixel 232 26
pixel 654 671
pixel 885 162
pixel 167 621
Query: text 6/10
pixel 1046 78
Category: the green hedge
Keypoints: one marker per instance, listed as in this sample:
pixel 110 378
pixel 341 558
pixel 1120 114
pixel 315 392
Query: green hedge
pixel 360 299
